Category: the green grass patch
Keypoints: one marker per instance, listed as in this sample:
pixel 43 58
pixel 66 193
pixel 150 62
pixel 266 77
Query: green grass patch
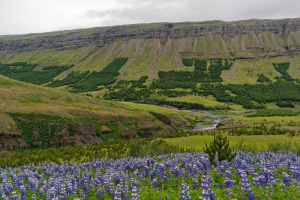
pixel 207 123
pixel 150 108
pixel 260 142
pixel 269 119
pixel 30 123
pixel 222 113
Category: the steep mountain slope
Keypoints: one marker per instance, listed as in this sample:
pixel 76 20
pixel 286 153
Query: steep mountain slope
pixel 138 61
pixel 32 116
pixel 155 47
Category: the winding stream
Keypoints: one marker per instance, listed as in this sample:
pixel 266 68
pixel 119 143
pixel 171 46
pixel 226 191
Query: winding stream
pixel 215 121
pixel 200 127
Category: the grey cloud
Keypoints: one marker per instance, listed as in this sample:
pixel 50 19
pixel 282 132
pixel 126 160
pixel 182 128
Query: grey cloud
pixel 19 16
pixel 195 10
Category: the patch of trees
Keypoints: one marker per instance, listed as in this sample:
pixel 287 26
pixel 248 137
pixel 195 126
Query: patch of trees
pixel 285 104
pixel 143 95
pixel 132 83
pixel 200 74
pixel 173 93
pixel 263 79
pixel 282 69
pixel 171 84
pixel 283 92
pixel 216 67
pixel 184 76
pixel 260 130
pixel 273 112
pixel 277 91
pixel 219 92
pixel 129 94
pixel 280 91
pixel 183 105
pixel 23 71
pixel 105 77
pixel 201 65
pixel 72 78
pixel 187 62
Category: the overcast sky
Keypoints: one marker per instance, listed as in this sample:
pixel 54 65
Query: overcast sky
pixel 34 16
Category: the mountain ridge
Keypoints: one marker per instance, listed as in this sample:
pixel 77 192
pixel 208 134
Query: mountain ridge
pixel 164 61
pixel 106 35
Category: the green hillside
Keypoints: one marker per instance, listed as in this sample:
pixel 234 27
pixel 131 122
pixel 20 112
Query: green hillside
pixel 37 116
pixel 186 65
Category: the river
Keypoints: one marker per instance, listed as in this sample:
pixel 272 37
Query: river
pixel 216 119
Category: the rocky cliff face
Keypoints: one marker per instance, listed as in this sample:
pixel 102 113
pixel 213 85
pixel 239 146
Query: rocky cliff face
pixel 71 134
pixel 151 48
pixel 162 31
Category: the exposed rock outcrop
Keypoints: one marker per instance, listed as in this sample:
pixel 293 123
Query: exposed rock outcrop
pixel 71 134
pixel 84 134
pixel 162 31
pixel 105 129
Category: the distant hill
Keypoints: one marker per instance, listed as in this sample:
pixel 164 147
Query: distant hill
pixel 221 65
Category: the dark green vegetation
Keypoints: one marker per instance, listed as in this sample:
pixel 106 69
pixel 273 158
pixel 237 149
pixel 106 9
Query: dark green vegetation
pixel 187 62
pixel 72 78
pixel 249 130
pixel 47 127
pixel 44 125
pixel 263 79
pixel 80 154
pixel 78 81
pixel 105 77
pixel 204 80
pixel 170 83
pixel 201 73
pixel 219 150
pixel 274 112
pixel 284 91
pixel 23 71
pixel 282 69
pixel 262 130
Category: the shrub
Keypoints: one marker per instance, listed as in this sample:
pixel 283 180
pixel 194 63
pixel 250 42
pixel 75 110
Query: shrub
pixel 220 147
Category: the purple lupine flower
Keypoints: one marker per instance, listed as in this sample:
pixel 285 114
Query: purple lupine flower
pixel 100 192
pixel 185 192
pixel 212 195
pixel 204 185
pixel 134 195
pixel 228 174
pixel 154 183
pixel 256 181
pixel 229 182
pixel 23 192
pixel 246 186
pixel 216 159
pixel 33 197
pixel 4 197
pixel 175 171
pixel 195 184
pixel 14 196
pixel 286 179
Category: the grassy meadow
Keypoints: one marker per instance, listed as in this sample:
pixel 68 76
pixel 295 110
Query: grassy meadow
pixel 150 108
pixel 253 142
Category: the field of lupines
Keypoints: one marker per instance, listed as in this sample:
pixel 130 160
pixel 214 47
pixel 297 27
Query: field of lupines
pixel 184 176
